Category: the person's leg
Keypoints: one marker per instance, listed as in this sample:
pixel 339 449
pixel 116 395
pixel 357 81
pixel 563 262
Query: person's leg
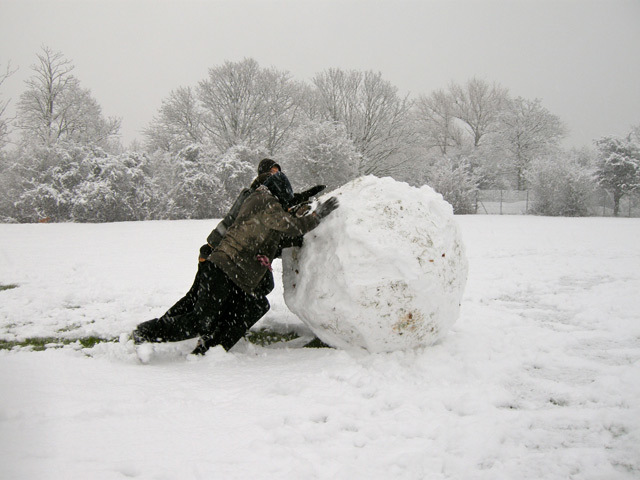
pixel 186 303
pixel 241 312
pixel 152 330
pixel 213 291
pixel 238 324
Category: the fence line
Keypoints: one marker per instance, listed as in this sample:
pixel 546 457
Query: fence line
pixel 519 202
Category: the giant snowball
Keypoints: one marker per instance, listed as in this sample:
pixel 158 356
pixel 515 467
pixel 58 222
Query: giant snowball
pixel 384 272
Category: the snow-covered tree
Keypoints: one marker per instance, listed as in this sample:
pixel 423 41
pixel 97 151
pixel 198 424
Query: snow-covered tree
pixel 618 167
pixel 47 176
pixel 236 169
pixel 55 108
pixel 118 189
pixel 320 153
pixel 79 183
pixel 376 118
pixel 198 183
pixel 562 184
pixel 526 132
pixel 10 186
pixel 455 181
pixel 192 189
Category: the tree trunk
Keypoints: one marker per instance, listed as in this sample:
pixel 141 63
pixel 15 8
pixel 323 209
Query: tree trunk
pixel 616 203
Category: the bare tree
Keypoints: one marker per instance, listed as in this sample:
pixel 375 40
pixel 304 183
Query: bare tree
pixel 282 111
pixel 436 122
pixel 82 120
pixel 376 118
pixel 38 114
pixel 246 104
pixel 178 123
pixel 528 131
pixel 54 107
pixel 478 106
pixel 4 122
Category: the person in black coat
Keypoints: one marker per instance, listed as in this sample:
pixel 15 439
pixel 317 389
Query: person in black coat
pixel 248 309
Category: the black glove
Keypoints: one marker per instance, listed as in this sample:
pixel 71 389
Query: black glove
pixel 205 251
pixel 307 194
pixel 314 190
pixel 326 208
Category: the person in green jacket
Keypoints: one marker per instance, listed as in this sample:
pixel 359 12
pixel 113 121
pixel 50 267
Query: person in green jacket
pixel 252 308
pixel 233 272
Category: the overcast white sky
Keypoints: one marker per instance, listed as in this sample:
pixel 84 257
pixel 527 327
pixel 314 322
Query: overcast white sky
pixel 581 57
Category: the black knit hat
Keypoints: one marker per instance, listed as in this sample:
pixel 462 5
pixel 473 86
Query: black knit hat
pixel 267 164
pixel 278 184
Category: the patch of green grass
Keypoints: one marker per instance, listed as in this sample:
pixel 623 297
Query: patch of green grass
pixel 90 342
pixel 8 344
pixel 36 343
pixel 8 287
pixel 259 337
pixel 267 337
pixel 68 328
pixel 317 343
pixel 41 343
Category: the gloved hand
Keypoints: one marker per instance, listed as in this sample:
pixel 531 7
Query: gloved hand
pixel 326 208
pixel 307 194
pixel 315 190
pixel 300 210
pixel 205 251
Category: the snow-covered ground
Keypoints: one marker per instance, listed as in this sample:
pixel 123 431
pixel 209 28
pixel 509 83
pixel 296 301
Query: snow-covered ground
pixel 538 379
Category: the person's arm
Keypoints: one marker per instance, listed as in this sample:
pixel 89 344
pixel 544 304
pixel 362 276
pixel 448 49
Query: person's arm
pixel 302 197
pixel 218 233
pixel 277 219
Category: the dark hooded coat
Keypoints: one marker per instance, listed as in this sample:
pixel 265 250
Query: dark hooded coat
pixel 259 230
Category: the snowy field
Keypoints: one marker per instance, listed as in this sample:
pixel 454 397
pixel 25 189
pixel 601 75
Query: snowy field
pixel 538 379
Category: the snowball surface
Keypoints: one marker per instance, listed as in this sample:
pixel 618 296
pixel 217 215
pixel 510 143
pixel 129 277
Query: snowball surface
pixel 385 271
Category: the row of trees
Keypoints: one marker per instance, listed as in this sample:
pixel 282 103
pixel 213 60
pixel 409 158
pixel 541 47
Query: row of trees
pixel 204 142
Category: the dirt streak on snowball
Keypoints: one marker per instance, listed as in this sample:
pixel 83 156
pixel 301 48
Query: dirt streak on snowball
pixel 385 271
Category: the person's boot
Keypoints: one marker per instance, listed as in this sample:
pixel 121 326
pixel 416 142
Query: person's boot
pixel 137 337
pixel 204 344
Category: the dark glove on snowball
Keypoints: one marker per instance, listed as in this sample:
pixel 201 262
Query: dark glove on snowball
pixel 326 208
pixel 315 190
pixel 307 194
